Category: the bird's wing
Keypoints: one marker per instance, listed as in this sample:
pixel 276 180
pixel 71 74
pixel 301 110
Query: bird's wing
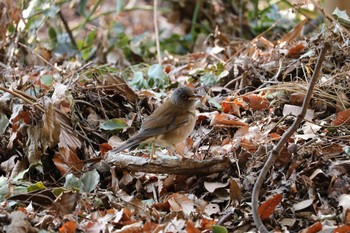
pixel 164 119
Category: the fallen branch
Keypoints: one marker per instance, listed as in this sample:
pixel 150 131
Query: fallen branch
pixel 168 164
pixel 285 137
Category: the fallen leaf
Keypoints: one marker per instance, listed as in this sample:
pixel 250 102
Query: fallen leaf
pixel 296 110
pixel 212 186
pixel 314 228
pixel 342 117
pixel 190 227
pixel 231 105
pixel 296 98
pixel 68 227
pixel 294 33
pixel 226 120
pixel 257 102
pixel 268 206
pixel 303 204
pixel 66 160
pixel 104 148
pixel 235 191
pixel 342 229
pixel 295 51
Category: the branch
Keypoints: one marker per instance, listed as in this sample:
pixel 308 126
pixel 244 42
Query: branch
pixel 277 149
pixel 167 164
pixel 156 31
pixel 70 34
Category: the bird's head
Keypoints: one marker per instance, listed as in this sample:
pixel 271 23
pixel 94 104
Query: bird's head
pixel 184 97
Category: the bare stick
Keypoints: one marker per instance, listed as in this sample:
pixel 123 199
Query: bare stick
pixel 277 149
pixel 167 164
pixel 156 31
pixel 66 26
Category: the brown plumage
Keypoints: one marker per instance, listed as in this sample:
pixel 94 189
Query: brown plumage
pixel 170 124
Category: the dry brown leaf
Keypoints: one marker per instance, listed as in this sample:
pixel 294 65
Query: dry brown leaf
pixel 257 102
pixel 346 218
pixel 316 227
pixel 32 144
pixel 293 34
pixel 296 98
pixel 135 227
pixel 331 150
pixel 274 136
pixel 342 117
pixel 19 223
pixel 104 148
pixel 231 105
pixel 295 51
pixel 180 202
pixel 51 128
pixel 207 223
pixel 150 227
pixel 248 145
pixel 342 229
pixel 66 160
pixel 226 120
pixel 69 139
pixel 66 202
pixel 269 206
pixel 190 227
pixel 68 227
pixel 235 191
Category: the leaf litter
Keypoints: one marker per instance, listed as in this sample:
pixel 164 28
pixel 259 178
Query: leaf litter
pixel 58 124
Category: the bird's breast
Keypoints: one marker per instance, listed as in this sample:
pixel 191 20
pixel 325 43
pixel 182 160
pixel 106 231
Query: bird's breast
pixel 179 134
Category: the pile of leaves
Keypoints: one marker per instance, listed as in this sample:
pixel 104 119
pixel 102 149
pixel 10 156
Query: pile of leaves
pixel 62 114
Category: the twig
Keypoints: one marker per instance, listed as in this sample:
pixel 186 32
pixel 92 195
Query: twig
pixel 156 31
pixel 66 26
pixel 40 57
pixel 194 19
pixel 277 149
pixel 88 18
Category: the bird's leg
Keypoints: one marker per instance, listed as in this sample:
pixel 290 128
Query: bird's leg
pixel 152 152
pixel 179 151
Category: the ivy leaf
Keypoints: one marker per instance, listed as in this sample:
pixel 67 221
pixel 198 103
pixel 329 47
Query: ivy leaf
pixel 114 124
pixel 90 180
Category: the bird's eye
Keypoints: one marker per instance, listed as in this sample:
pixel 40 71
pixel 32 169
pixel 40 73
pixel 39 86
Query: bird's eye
pixel 183 96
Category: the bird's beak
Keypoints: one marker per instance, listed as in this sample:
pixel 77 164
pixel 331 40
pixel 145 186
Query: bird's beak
pixel 195 97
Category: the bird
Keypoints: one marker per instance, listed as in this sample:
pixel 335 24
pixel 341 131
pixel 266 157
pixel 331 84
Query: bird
pixel 170 124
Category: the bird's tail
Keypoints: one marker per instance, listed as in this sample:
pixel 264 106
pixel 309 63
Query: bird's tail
pixel 132 142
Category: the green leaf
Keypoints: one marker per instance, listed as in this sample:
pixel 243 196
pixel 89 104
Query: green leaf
pixel 219 229
pixel 73 182
pixel 90 180
pixel 114 124
pixel 4 188
pixel 53 34
pixel 36 186
pixel 47 80
pixel 157 76
pixel 139 81
pixel 213 102
pixel 223 74
pixel 209 79
pixel 58 191
pixel 51 10
pixel 342 16
pixel 4 123
pixel 82 6
pixel 90 38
